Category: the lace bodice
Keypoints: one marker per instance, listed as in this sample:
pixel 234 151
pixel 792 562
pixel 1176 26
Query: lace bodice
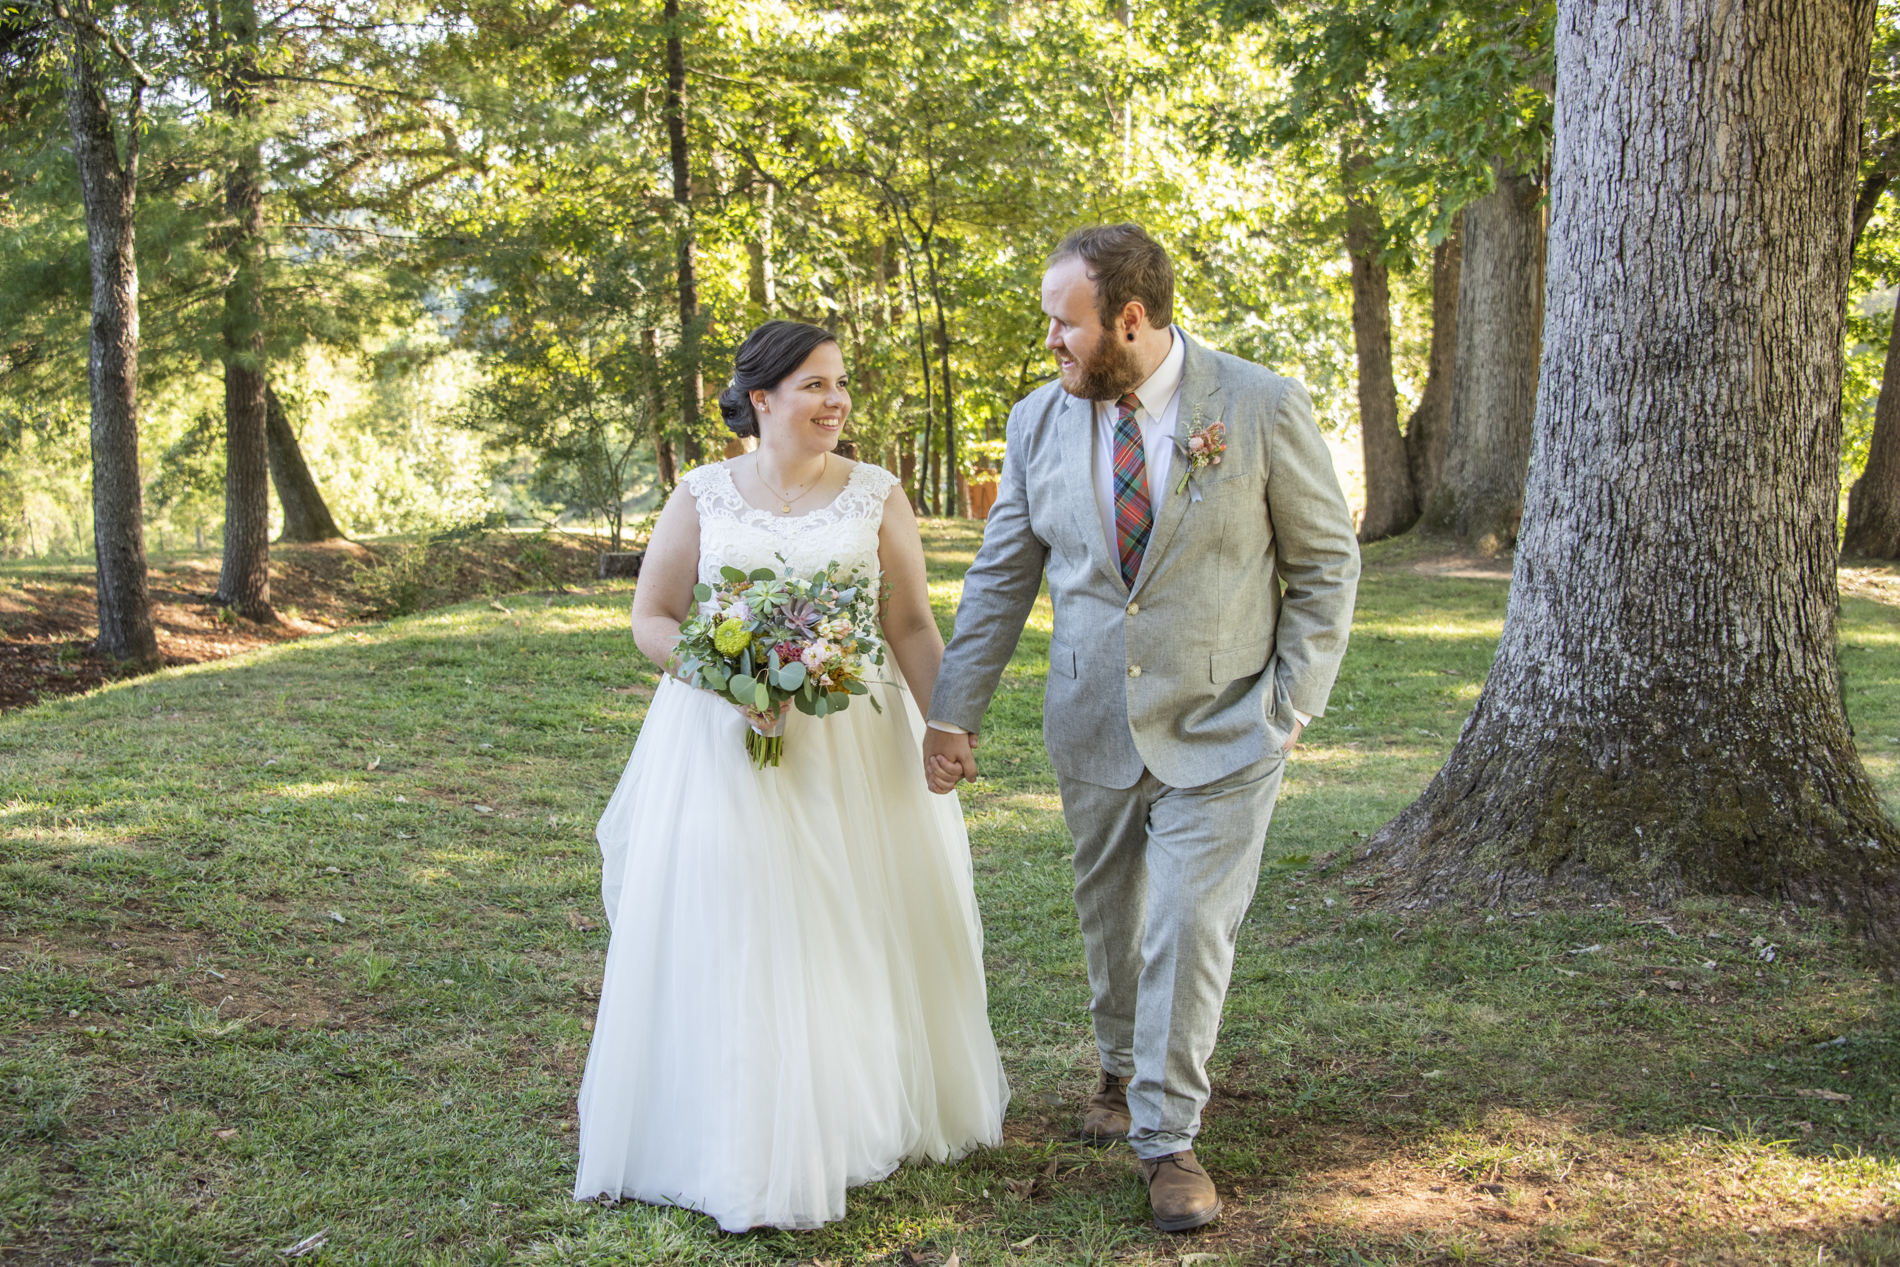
pixel 732 533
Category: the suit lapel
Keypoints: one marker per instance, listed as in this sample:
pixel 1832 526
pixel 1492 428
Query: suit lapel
pixel 1075 432
pixel 1200 397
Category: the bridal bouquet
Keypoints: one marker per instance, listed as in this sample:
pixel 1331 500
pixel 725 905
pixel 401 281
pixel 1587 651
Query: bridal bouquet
pixel 769 638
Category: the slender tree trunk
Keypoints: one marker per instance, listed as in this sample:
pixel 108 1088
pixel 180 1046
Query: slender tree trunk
pixel 656 410
pixel 306 515
pixel 244 577
pixel 954 495
pixel 1480 493
pixel 692 373
pixel 1664 713
pixel 109 186
pixel 1430 424
pixel 1390 504
pixel 923 362
pixel 761 276
pixel 1873 504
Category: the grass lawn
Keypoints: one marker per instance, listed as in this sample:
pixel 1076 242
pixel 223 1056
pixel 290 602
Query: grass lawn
pixel 305 944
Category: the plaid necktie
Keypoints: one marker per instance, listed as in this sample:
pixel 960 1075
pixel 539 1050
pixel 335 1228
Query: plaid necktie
pixel 1134 516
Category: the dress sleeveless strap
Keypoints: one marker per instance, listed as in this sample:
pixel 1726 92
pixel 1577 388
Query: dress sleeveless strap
pixel 714 492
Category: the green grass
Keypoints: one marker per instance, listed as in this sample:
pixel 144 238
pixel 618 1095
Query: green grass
pixel 308 941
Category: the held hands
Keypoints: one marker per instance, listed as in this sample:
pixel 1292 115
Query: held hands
pixel 948 759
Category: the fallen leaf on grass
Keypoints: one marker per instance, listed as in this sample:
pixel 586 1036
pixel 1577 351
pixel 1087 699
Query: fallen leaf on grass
pixel 580 923
pixel 482 809
pixel 338 918
pixel 308 1245
pixel 229 1132
pixel 1816 1093
pixel 1187 1259
pixel 1023 1188
pixel 1585 950
pixel 1026 1242
pixel 373 763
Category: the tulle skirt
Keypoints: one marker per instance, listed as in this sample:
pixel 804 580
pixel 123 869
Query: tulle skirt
pixel 794 1000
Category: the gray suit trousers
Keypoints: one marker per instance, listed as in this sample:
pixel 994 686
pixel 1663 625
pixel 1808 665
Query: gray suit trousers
pixel 1163 877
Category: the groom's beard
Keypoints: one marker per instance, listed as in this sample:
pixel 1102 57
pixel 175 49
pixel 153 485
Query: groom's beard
pixel 1109 374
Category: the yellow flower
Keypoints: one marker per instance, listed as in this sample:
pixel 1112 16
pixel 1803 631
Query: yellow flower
pixel 731 637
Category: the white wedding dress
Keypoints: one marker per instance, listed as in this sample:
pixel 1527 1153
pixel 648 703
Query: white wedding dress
pixel 794 1000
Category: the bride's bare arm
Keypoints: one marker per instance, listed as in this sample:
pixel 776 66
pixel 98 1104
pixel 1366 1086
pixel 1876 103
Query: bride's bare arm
pixel 664 598
pixel 910 629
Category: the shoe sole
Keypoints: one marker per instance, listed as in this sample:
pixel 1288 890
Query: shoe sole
pixel 1191 1222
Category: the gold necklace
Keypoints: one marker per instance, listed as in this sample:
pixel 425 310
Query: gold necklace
pixel 785 507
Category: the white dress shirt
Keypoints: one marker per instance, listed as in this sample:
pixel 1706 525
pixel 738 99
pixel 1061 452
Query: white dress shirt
pixel 1160 398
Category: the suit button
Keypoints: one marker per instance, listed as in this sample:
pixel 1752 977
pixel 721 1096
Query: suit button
pixel 1134 609
pixel 1134 670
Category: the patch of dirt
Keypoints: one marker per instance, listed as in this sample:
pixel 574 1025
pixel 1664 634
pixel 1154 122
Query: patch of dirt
pixel 1878 582
pixel 49 619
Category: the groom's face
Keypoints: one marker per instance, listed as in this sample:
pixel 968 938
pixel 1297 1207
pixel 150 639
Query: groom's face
pixel 1093 363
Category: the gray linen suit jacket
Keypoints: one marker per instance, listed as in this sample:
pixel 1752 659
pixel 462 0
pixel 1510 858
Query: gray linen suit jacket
pixel 1238 616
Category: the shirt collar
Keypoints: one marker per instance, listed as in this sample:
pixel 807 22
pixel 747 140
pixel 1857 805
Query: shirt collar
pixel 1161 385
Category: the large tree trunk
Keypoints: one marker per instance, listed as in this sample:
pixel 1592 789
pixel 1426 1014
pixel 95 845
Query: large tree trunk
pixel 244 576
pixel 1873 504
pixel 109 186
pixel 692 373
pixel 1429 427
pixel 1663 715
pixel 1391 506
pixel 306 515
pixel 1480 493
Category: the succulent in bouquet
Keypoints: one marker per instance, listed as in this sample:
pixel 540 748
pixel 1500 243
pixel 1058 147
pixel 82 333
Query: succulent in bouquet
pixel 774 639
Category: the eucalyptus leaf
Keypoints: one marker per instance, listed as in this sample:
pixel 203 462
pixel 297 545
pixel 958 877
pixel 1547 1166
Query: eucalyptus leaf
pixel 740 689
pixel 803 704
pixel 733 574
pixel 821 705
pixel 792 676
pixel 702 593
pixel 855 688
pixel 758 574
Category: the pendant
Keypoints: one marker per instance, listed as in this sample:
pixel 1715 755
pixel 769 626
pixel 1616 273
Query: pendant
pixel 786 509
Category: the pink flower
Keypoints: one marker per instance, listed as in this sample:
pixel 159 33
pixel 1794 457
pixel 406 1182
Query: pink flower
pixel 1196 444
pixel 739 611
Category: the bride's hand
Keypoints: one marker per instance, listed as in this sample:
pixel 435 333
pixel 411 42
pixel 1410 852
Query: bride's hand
pixel 766 720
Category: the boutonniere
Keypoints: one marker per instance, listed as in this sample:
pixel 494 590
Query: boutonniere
pixel 1202 448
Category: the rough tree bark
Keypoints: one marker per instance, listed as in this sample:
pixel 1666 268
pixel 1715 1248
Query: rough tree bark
pixel 306 515
pixel 244 574
pixel 1480 493
pixel 109 185
pixel 1663 715
pixel 1427 430
pixel 1391 506
pixel 692 372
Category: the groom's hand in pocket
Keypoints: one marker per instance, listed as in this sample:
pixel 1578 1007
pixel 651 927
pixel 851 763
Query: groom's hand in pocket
pixel 949 758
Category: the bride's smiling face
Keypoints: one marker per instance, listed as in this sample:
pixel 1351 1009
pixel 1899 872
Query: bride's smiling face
pixel 807 410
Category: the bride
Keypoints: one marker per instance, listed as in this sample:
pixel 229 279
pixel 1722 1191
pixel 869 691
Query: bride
pixel 794 998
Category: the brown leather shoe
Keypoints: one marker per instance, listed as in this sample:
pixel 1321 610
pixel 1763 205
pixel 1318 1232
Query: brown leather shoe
pixel 1179 1192
pixel 1106 1120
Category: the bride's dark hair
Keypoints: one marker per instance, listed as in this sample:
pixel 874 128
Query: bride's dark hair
pixel 769 356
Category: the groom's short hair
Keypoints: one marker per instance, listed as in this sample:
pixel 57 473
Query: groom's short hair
pixel 1124 263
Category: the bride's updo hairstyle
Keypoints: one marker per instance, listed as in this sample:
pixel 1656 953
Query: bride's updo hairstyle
pixel 770 355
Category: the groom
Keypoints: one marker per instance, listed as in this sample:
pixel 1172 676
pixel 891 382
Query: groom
pixel 1202 566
